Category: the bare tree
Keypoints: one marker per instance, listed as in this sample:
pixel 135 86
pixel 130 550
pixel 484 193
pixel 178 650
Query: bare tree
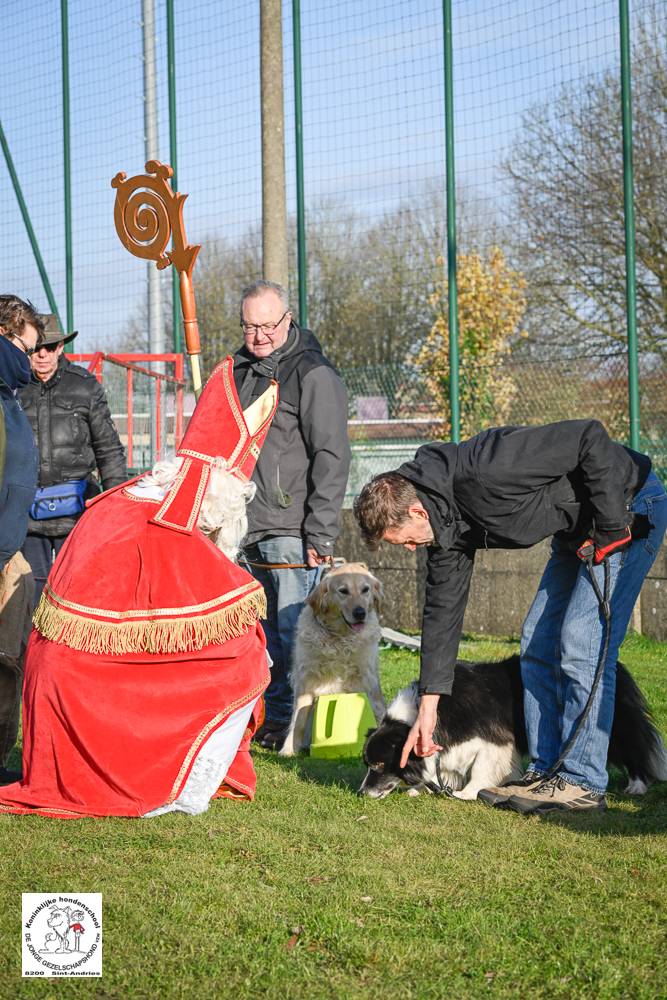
pixel 566 174
pixel 370 281
pixel 224 270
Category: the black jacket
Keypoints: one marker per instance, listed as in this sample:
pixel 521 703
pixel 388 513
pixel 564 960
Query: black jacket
pixel 301 473
pixel 508 488
pixel 18 476
pixel 75 435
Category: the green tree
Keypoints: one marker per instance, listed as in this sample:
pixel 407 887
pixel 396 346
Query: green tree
pixel 491 302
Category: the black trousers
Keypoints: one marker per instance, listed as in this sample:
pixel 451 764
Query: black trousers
pixel 41 551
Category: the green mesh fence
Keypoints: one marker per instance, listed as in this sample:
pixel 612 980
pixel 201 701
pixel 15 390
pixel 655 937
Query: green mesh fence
pixel 147 421
pixel 395 409
pixel 539 173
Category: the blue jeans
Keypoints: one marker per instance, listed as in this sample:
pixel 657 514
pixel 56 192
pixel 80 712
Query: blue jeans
pixel 562 641
pixel 286 590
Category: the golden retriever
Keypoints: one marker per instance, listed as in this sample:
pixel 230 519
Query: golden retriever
pixel 336 646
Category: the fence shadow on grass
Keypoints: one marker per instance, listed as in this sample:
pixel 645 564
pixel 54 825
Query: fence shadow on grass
pixel 346 773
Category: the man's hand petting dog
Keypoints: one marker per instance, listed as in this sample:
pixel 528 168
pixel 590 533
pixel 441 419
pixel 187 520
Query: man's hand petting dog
pixel 420 737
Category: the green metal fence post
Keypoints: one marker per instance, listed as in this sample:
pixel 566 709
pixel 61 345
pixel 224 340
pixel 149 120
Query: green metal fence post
pixel 46 284
pixel 67 170
pixel 302 264
pixel 629 209
pixel 171 79
pixel 452 299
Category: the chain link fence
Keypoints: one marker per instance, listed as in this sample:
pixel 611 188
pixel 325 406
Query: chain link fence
pixel 395 409
pixel 538 151
pixel 146 399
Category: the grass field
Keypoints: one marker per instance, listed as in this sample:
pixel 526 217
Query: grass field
pixel 311 892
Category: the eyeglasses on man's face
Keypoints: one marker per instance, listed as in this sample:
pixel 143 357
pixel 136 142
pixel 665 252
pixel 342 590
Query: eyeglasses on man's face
pixel 249 329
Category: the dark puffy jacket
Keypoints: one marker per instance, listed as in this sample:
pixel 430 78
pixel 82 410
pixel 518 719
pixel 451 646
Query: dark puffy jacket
pixel 507 488
pixel 302 470
pixel 75 436
pixel 19 473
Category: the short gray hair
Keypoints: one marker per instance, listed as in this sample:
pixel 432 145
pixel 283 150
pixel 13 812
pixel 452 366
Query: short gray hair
pixel 258 288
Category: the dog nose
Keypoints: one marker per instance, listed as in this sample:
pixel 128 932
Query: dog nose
pixel 359 614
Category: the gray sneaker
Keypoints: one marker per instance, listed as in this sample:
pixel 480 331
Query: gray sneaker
pixel 556 794
pixel 499 794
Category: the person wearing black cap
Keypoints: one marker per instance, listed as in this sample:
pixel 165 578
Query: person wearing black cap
pixel 75 436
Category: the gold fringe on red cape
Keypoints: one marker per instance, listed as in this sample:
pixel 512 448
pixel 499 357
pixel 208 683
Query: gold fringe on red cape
pixel 172 635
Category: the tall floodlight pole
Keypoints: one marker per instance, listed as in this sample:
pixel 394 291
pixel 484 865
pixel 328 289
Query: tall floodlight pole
pixel 274 208
pixel 302 262
pixel 155 324
pixel 452 298
pixel 67 171
pixel 629 210
pixel 171 79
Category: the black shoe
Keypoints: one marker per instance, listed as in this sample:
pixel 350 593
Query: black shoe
pixel 499 794
pixel 271 735
pixel 9 777
pixel 275 739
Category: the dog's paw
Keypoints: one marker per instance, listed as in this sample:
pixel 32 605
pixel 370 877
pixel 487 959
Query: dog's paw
pixel 468 795
pixel 412 792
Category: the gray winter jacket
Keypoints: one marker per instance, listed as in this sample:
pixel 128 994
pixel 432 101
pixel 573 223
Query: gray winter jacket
pixel 302 470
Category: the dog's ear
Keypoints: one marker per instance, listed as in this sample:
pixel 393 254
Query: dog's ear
pixel 318 597
pixel 366 739
pixel 378 593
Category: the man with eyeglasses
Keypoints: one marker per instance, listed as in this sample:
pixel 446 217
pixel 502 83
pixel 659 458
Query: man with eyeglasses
pixel 20 334
pixel 301 476
pixel 75 436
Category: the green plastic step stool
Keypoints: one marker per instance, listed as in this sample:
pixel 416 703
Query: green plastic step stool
pixel 340 724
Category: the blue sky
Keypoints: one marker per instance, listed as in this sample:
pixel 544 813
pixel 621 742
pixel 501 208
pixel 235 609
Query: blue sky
pixel 373 116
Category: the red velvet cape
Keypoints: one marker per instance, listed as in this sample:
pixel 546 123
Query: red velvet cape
pixel 146 641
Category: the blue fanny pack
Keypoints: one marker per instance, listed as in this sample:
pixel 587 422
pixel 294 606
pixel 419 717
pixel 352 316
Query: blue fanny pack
pixel 61 500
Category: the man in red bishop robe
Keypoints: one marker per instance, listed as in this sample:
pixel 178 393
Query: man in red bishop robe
pixel 147 662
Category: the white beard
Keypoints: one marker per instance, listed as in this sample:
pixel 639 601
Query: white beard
pixel 223 513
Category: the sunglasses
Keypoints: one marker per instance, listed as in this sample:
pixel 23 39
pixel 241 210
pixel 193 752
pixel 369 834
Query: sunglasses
pixel 26 348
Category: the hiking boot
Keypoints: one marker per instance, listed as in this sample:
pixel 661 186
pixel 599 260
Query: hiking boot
pixel 271 735
pixel 556 793
pixel 499 794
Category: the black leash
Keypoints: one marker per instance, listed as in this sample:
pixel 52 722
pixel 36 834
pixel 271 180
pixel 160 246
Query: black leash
pixel 605 609
pixel 442 788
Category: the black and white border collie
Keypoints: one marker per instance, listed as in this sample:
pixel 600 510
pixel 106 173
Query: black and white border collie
pixel 481 729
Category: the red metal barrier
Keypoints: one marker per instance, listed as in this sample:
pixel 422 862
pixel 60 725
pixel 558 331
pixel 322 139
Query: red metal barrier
pixel 135 366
